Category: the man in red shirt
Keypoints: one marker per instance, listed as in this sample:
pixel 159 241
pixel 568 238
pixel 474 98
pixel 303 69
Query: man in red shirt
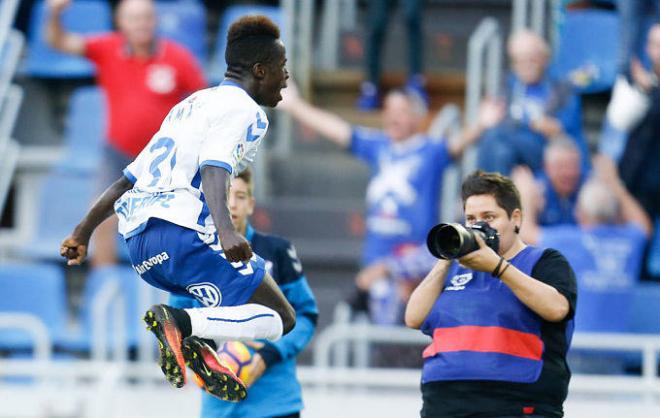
pixel 142 76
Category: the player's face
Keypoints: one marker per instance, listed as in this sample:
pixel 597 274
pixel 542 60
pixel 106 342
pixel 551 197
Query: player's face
pixel 484 207
pixel 241 203
pixel 275 78
pixel 136 20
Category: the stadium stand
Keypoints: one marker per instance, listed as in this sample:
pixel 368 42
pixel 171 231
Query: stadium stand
pixel 588 48
pixel 84 131
pixel 88 17
pixel 184 21
pixel 100 289
pixel 314 197
pixel 35 289
pixel 62 201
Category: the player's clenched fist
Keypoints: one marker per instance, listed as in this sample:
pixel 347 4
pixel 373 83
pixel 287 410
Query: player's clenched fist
pixel 58 5
pixel 236 248
pixel 73 250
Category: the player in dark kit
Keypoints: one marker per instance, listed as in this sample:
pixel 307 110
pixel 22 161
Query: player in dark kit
pixel 172 207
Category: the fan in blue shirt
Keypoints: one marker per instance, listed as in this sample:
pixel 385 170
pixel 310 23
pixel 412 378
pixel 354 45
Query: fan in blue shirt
pixel 406 167
pixel 605 248
pixel 274 390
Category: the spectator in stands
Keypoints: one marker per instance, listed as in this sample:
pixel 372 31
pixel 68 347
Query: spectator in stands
pixel 536 109
pixel 501 321
pixel 635 15
pixel 378 14
pixel 142 76
pixel 553 193
pixel 606 248
pixel 639 163
pixel 551 197
pixel 621 208
pixel 406 168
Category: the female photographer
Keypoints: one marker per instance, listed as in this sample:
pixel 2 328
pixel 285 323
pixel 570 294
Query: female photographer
pixel 501 319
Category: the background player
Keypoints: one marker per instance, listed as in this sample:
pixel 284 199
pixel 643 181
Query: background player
pixel 172 208
pixel 274 388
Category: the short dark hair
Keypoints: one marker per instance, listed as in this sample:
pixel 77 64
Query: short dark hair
pixel 246 176
pixel 500 187
pixel 251 39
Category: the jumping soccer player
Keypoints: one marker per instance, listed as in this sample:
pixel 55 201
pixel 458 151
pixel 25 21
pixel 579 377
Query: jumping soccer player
pixel 172 208
pixel 274 388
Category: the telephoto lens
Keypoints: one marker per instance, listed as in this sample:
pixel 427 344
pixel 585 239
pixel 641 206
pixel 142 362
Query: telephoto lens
pixel 454 240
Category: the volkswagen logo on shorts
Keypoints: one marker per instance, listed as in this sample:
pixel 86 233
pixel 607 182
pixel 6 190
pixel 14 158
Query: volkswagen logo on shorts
pixel 207 293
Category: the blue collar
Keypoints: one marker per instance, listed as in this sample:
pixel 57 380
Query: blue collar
pixel 228 82
pixel 249 232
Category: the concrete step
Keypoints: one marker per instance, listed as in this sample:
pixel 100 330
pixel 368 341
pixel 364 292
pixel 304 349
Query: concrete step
pixel 338 91
pixel 318 175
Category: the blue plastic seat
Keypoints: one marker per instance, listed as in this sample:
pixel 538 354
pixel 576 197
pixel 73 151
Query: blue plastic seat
pixel 184 21
pixel 218 65
pixel 128 282
pixel 36 289
pixel 84 133
pixel 653 259
pixel 588 48
pixel 63 200
pixel 646 309
pixel 84 17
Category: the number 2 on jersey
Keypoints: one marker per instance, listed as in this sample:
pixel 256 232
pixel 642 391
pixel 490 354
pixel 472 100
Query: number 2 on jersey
pixel 168 145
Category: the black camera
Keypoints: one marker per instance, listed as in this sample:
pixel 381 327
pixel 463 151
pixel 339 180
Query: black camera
pixel 455 240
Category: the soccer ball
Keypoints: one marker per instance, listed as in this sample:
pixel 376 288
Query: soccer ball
pixel 238 357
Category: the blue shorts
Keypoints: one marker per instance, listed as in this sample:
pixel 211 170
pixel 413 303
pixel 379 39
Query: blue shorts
pixel 186 262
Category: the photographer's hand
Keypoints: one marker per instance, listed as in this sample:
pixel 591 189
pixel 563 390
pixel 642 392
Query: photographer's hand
pixel 484 259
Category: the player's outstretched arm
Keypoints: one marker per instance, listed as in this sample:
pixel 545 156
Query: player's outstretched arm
pixel 74 247
pixel 57 36
pixel 216 182
pixel 325 123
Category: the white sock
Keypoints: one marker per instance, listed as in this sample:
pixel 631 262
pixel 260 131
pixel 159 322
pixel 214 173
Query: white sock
pixel 244 322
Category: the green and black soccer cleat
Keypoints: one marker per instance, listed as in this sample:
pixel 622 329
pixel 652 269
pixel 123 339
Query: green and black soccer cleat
pixel 210 373
pixel 160 321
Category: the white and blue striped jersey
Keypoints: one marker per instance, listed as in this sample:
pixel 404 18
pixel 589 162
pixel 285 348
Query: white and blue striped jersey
pixel 221 127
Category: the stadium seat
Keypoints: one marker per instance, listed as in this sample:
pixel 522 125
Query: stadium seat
pixel 588 48
pixel 128 282
pixel 36 289
pixel 84 132
pixel 653 259
pixel 86 17
pixel 644 315
pixel 218 65
pixel 184 21
pixel 62 201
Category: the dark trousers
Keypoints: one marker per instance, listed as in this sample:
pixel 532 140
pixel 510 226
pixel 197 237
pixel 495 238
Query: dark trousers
pixel 379 11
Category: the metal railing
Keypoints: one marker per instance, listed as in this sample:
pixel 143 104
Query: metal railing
pixel 337 15
pixel 446 124
pixel 8 10
pixel 342 335
pixel 540 16
pixel 299 19
pixel 11 45
pixel 11 53
pixel 109 303
pixel 33 326
pixel 484 69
